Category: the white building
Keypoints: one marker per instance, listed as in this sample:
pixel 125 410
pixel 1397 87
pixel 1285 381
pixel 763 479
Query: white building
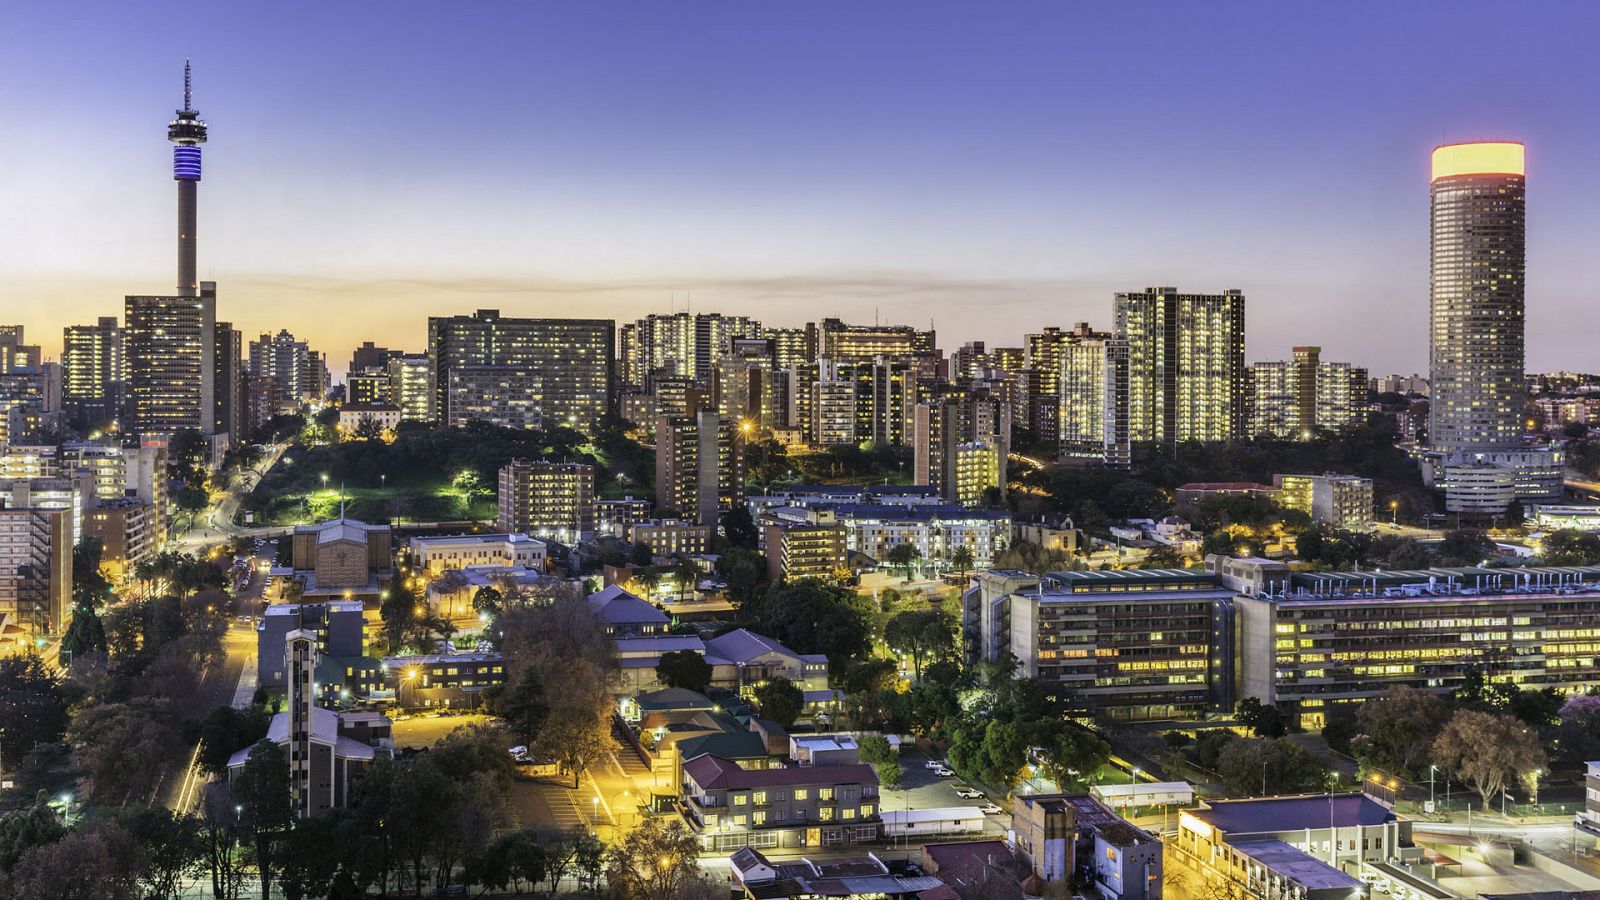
pixel 435 554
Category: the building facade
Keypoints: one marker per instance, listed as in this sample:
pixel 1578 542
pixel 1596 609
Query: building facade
pixel 1186 372
pixel 547 499
pixel 699 465
pixel 572 359
pixel 1298 398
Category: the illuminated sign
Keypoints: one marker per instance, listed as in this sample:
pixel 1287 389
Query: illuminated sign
pixel 1500 158
pixel 185 163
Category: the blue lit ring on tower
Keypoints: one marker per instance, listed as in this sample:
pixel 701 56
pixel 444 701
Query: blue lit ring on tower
pixel 185 163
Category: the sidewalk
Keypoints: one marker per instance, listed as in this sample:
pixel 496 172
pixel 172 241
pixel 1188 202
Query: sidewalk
pixel 247 683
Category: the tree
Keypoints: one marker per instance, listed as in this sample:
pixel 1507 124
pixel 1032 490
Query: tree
pixel 1397 729
pixel 739 527
pixel 28 827
pixel 1488 751
pixel 921 633
pixel 1262 720
pixel 225 731
pixel 33 708
pixel 487 601
pixel 520 701
pixel 657 860
pixel 1465 547
pixel 962 559
pixel 1570 547
pixel 744 571
pixel 686 574
pixel 874 749
pixel 575 737
pixel 262 790
pixel 171 843
pixel 780 700
pixel 684 669
pixel 904 557
pixel 1074 756
pixel 1275 766
pixel 890 774
pixel 96 861
pixel 813 616
pixel 992 751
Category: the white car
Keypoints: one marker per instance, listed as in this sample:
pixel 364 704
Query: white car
pixel 933 764
pixel 967 793
pixel 943 772
pixel 989 809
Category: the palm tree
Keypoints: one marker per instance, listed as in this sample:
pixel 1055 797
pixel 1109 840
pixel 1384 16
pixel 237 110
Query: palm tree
pixel 962 559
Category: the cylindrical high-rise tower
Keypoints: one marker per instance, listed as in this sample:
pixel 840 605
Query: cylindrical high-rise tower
pixel 1476 297
pixel 188 132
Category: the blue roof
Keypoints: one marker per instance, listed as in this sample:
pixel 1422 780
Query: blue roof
pixel 1278 814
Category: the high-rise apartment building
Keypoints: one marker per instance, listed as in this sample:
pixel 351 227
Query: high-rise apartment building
pixel 508 396
pixel 1295 399
pixel 1478 267
pixel 299 372
pixel 547 499
pixel 93 377
pixel 681 345
pixel 410 389
pixel 228 383
pixel 699 465
pixel 1186 371
pixel 1092 417
pixel 171 346
pixel 36 567
pixel 572 358
pixel 15 353
pixel 855 343
pixel 959 436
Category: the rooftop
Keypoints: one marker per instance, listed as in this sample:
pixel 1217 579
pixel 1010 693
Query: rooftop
pixel 714 773
pixel 616 606
pixel 452 539
pixel 1299 867
pixel 1276 814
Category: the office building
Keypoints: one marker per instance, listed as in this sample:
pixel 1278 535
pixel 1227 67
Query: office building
pixel 1092 393
pixel 1297 399
pixel 1319 644
pixel 171 357
pixel 435 554
pixel 547 499
pixel 699 466
pixel 36 567
pixel 1120 644
pixel 93 375
pixel 961 441
pixel 1186 371
pixel 1342 501
pixel 571 359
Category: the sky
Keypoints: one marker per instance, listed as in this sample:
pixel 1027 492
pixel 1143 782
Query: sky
pixel 991 168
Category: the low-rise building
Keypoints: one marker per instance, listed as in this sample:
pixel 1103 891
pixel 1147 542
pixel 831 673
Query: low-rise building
pixel 337 627
pixel 614 517
pixel 804 550
pixel 1342 501
pixel 754 659
pixel 759 878
pixel 436 553
pixel 621 613
pixel 383 418
pixel 671 537
pixel 1311 846
pixel 442 681
pixel 129 531
pixel 811 806
pixel 1196 492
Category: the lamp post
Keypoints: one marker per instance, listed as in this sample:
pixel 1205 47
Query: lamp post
pixel 1431 770
pixel 1534 792
pixel 1394 513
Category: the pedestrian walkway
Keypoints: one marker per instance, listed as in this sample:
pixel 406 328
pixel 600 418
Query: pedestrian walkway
pixel 247 684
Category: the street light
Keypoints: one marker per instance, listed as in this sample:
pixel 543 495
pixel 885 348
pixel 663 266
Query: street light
pixel 1394 512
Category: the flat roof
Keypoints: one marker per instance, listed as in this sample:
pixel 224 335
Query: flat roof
pixel 1127 576
pixel 1277 814
pixel 1301 868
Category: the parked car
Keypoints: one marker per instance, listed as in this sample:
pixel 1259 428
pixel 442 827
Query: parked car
pixel 933 764
pixel 943 772
pixel 969 793
pixel 989 809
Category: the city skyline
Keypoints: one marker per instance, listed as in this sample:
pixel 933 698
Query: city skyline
pixel 617 189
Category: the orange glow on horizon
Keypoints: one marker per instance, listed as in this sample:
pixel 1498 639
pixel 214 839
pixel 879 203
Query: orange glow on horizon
pixel 1493 158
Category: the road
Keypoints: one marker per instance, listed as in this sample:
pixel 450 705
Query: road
pixel 182 785
pixel 218 524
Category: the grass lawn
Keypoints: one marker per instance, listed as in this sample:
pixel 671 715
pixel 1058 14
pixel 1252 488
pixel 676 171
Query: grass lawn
pixel 409 503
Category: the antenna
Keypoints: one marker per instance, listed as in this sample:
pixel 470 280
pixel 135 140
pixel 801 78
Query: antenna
pixel 187 87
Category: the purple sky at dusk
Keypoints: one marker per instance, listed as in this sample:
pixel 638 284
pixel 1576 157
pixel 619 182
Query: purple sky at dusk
pixel 992 167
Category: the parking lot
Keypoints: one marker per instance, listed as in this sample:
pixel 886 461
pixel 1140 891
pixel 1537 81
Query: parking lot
pixel 921 788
